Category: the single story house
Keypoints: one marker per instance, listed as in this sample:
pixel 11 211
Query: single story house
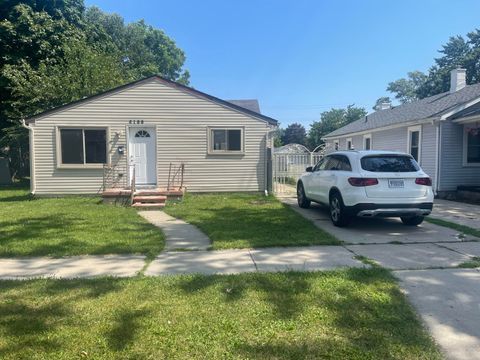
pixel 150 124
pixel 442 132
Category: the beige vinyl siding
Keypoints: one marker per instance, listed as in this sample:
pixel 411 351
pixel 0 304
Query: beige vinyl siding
pixel 181 121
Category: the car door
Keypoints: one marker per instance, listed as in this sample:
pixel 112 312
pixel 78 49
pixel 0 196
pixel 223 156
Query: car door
pixel 327 178
pixel 317 180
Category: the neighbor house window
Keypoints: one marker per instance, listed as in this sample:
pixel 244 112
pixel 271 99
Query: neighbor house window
pixel 336 144
pixel 367 142
pixel 472 145
pixel 414 135
pixel 82 146
pixel 226 140
pixel 349 144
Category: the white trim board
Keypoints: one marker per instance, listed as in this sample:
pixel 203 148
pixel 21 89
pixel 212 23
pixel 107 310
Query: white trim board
pixel 410 130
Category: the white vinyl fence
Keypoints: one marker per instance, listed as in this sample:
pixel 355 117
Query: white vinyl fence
pixel 287 169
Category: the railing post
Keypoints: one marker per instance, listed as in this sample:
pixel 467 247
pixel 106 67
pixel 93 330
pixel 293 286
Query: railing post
pixel 168 181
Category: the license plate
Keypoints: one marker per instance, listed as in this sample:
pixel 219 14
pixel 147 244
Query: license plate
pixel 396 183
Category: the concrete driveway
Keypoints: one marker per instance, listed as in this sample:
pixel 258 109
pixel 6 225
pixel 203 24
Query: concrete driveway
pixel 378 231
pixel 449 302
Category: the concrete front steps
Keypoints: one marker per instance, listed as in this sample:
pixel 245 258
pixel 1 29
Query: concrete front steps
pixel 149 199
pixel 143 199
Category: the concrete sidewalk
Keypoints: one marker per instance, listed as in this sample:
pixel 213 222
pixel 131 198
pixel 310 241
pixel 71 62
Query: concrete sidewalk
pixel 72 267
pixel 182 262
pixel 268 260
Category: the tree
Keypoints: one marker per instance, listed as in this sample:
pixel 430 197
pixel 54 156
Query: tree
pixel 332 120
pixel 278 136
pixel 457 52
pixel 406 89
pixel 57 51
pixel 294 134
pixel 380 100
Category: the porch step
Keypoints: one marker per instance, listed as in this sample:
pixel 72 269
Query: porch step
pixel 140 205
pixel 153 192
pixel 149 199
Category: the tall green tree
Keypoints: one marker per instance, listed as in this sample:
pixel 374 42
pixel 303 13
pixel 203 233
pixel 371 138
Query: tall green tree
pixel 332 120
pixel 458 52
pixel 57 51
pixel 294 134
pixel 406 89
pixel 278 137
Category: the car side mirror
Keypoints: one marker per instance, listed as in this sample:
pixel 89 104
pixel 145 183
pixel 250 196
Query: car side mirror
pixel 309 169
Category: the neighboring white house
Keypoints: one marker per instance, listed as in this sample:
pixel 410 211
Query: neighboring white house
pixel 442 132
pixel 150 123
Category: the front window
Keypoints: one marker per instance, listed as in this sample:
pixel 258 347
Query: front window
pixel 83 146
pixel 349 144
pixel 367 141
pixel 472 135
pixel 226 140
pixel 389 163
pixel 414 142
pixel 335 143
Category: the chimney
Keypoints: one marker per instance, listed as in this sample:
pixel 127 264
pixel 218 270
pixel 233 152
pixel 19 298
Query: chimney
pixel 384 106
pixel 458 79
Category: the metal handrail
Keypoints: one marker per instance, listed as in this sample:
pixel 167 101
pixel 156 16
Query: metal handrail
pixel 132 184
pixel 177 171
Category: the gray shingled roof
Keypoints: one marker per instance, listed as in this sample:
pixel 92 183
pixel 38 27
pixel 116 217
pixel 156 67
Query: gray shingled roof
pixel 251 104
pixel 418 110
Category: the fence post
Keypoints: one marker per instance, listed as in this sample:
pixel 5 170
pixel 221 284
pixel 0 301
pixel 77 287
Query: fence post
pixel 268 175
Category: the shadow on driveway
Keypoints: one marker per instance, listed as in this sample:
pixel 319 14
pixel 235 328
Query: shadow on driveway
pixel 378 230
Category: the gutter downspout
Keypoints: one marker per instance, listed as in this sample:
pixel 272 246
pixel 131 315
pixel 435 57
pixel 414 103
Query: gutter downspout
pixel 32 156
pixel 265 170
pixel 438 157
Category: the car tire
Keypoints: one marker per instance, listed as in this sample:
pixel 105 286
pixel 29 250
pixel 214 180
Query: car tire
pixel 338 214
pixel 412 220
pixel 302 199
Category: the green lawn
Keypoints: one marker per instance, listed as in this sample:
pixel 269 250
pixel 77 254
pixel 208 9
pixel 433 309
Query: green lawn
pixel 345 314
pixel 248 221
pixel 71 226
pixel 461 228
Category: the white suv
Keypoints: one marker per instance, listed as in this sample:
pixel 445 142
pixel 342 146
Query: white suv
pixel 368 184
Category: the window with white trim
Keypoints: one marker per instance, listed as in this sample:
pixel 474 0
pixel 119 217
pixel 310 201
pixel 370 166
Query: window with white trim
pixel 367 142
pixel 336 145
pixel 82 146
pixel 225 140
pixel 472 145
pixel 414 141
pixel 349 144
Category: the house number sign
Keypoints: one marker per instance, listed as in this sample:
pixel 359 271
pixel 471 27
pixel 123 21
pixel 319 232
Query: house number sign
pixel 135 122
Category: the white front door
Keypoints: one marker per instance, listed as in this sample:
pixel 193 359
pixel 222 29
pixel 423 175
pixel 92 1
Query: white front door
pixel 142 155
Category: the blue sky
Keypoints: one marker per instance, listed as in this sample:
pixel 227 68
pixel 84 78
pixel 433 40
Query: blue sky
pixel 299 58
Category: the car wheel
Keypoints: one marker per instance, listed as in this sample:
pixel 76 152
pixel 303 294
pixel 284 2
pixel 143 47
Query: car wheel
pixel 337 211
pixel 302 199
pixel 412 220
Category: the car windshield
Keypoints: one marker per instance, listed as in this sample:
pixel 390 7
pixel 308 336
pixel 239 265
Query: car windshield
pixel 389 163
